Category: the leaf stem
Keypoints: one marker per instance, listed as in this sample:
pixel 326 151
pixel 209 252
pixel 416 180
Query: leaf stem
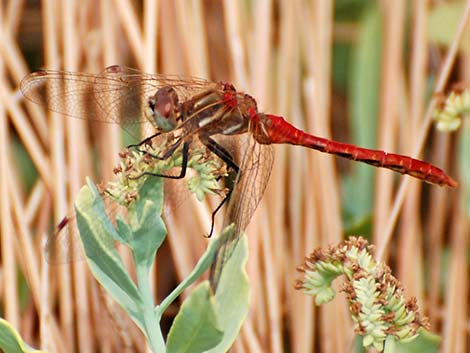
pixel 203 264
pixel 151 321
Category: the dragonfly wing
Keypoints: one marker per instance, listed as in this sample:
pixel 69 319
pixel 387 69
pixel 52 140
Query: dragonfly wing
pixel 248 190
pixel 117 95
pixel 63 246
pixel 250 184
pixel 69 93
pixel 123 93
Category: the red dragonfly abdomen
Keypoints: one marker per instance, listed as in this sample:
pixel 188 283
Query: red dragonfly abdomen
pixel 269 129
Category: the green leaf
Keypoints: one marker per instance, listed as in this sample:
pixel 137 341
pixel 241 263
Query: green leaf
pixel 124 231
pixel 363 91
pixel 463 147
pixel 202 265
pixel 232 296
pixel 26 169
pixel 195 328
pixel 96 232
pixel 230 303
pixel 146 224
pixel 443 21
pixel 350 10
pixel 425 342
pixel 10 340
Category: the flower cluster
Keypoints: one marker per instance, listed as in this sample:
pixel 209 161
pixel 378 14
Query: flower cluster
pixel 139 163
pixel 450 112
pixel 376 299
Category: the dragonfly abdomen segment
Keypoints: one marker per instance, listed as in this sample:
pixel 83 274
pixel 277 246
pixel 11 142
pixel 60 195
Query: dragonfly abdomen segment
pixel 270 129
pixel 396 162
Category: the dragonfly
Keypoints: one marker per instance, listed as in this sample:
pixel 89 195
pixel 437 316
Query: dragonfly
pixel 213 115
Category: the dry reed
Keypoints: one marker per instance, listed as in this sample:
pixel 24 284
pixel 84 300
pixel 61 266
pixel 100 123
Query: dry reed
pixel 281 53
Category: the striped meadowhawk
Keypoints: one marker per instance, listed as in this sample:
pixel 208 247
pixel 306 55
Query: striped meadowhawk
pixel 206 113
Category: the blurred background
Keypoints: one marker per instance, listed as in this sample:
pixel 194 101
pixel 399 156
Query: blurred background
pixel 363 72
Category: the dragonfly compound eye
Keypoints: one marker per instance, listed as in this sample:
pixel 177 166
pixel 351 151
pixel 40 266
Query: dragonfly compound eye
pixel 164 108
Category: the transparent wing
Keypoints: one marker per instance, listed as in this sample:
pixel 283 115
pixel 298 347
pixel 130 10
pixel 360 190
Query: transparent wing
pixel 63 246
pixel 248 190
pixel 117 95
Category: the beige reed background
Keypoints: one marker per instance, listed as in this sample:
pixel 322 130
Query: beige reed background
pixel 281 52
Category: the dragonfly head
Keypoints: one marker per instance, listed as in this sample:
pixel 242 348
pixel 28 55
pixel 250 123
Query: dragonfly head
pixel 164 108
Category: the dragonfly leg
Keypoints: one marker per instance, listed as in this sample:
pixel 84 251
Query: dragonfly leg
pixel 184 162
pixel 148 140
pixel 143 142
pixel 220 152
pixel 223 154
pixel 217 209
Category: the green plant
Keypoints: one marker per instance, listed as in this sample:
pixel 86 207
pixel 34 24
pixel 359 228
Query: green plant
pixel 11 342
pixel 205 321
pixel 382 316
pixel 449 114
